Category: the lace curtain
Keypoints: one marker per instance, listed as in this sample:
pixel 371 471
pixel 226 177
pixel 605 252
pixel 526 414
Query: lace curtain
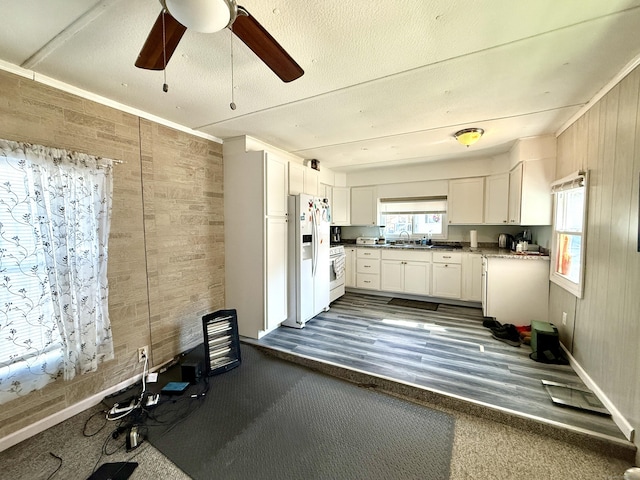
pixel 55 209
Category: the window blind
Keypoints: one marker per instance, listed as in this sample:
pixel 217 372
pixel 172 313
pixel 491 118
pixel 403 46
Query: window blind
pixel 413 205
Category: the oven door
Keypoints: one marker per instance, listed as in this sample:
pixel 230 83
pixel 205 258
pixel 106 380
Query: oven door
pixel 336 276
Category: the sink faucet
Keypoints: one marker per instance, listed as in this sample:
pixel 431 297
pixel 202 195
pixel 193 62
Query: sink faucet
pixel 408 236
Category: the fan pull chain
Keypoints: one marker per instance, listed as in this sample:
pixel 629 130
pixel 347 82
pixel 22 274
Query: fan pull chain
pixel 165 86
pixel 232 105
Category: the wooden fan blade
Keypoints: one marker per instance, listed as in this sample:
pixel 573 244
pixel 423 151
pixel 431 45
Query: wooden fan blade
pixel 153 56
pixel 254 36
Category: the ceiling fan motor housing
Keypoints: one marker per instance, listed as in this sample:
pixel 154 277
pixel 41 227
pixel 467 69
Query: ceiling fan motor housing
pixel 205 16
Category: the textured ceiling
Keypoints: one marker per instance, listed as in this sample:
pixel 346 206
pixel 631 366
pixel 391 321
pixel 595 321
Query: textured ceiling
pixel 385 81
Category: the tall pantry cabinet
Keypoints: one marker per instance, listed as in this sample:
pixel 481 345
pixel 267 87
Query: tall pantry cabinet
pixel 255 230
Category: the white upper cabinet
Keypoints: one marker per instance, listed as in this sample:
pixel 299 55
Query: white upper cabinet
pixel 311 181
pixel 341 206
pixel 534 164
pixel 303 180
pixel 530 193
pixel 276 186
pixel 515 192
pixel 296 178
pixel 466 201
pixel 255 192
pixel 496 205
pixel 364 208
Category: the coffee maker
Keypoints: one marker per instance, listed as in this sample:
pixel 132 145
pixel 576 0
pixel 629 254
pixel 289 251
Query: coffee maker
pixel 336 235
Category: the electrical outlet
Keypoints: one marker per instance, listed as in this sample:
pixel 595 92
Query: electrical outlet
pixel 564 318
pixel 142 353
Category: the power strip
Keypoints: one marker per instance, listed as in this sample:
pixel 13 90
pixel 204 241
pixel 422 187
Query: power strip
pixel 124 408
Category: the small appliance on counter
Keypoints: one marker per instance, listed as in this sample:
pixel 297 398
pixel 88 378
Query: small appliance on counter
pixel 336 235
pixel 367 241
pixel 506 241
pixel 521 241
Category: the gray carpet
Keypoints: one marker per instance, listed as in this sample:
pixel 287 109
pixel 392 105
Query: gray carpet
pixel 403 302
pixel 272 419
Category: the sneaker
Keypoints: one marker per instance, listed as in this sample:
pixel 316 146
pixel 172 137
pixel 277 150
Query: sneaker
pixel 491 323
pixel 508 334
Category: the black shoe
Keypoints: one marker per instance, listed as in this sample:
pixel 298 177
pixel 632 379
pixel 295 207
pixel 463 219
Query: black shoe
pixel 508 334
pixel 491 323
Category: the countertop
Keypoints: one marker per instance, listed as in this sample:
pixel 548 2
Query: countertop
pixel 486 251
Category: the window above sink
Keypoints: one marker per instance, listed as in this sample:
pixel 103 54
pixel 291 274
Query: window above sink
pixel 414 218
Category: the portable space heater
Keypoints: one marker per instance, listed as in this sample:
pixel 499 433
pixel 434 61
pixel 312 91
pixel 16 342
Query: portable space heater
pixel 221 341
pixel 545 343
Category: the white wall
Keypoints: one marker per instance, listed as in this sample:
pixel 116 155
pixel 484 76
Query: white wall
pixel 603 331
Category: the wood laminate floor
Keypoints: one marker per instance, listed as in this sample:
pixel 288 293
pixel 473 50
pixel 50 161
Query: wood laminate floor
pixel 447 351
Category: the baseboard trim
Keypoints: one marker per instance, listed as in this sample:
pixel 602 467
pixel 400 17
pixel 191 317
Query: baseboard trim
pixel 58 417
pixel 625 427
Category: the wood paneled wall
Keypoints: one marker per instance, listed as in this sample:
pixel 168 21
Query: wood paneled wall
pixel 604 335
pixel 166 248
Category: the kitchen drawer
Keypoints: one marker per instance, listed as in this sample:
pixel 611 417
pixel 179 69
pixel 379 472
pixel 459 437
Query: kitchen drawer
pixel 447 257
pixel 366 280
pixel 365 265
pixel 368 253
pixel 407 255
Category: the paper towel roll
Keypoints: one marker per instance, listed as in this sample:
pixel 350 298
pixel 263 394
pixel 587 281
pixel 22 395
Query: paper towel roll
pixel 474 238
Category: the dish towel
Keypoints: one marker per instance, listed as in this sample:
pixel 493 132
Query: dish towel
pixel 338 266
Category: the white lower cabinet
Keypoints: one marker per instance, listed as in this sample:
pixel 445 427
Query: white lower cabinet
pixel 472 277
pixel 392 275
pixel 350 267
pixel 417 276
pixel 405 272
pixel 368 268
pixel 447 275
pixel 516 290
pixel 443 274
pixel 276 271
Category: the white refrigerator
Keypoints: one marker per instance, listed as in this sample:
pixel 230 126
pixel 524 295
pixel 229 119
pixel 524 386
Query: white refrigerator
pixel 308 259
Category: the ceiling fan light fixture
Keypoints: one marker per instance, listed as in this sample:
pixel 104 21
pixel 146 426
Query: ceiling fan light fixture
pixel 205 16
pixel 468 136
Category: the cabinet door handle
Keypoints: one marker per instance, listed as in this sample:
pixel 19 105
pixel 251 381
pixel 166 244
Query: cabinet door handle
pixel 446 256
pixel 367 281
pixel 367 266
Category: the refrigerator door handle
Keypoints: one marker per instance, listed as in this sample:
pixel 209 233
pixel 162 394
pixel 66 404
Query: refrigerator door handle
pixel 314 242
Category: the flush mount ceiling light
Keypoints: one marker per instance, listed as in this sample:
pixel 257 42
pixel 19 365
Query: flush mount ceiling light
pixel 468 136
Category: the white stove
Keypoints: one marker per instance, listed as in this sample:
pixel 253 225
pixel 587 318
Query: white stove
pixel 336 272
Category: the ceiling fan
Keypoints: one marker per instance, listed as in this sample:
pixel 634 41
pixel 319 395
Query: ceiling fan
pixel 209 16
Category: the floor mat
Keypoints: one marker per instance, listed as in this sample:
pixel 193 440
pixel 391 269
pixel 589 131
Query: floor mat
pixel 302 424
pixel 402 302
